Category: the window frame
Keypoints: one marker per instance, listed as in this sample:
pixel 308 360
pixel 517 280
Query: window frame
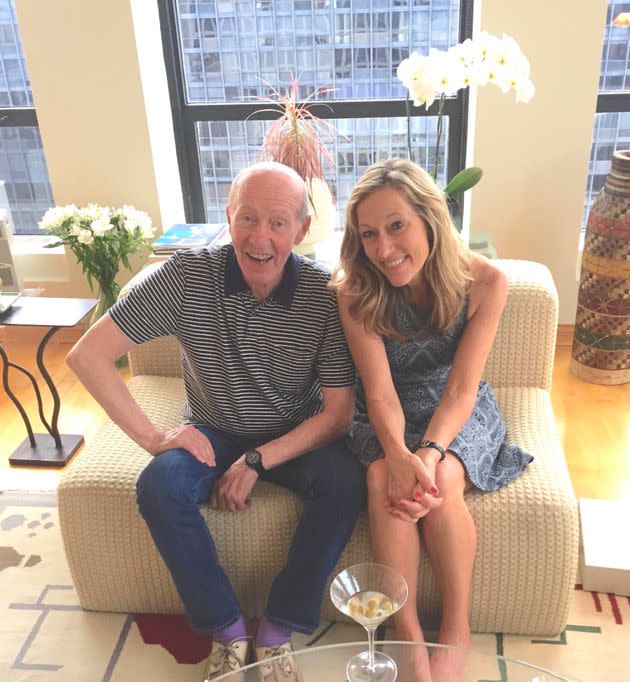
pixel 21 117
pixel 18 116
pixel 187 115
pixel 612 102
pixel 608 102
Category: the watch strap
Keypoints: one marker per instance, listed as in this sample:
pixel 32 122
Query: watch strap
pixel 256 464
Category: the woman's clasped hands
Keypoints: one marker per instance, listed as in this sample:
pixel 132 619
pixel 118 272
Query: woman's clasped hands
pixel 412 490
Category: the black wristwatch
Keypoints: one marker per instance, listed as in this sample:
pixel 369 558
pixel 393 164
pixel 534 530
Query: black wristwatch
pixel 253 459
pixel 434 446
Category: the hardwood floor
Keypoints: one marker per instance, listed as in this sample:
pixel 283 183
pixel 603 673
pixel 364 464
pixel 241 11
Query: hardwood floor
pixel 593 421
pixel 80 413
pixel 594 426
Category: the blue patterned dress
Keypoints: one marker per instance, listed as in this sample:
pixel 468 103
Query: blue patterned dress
pixel 420 368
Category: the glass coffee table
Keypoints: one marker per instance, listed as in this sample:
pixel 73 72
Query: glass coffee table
pixel 328 664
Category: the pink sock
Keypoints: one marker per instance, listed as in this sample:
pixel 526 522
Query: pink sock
pixel 235 631
pixel 269 634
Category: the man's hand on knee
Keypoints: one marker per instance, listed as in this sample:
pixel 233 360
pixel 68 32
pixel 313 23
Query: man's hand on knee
pixel 186 437
pixel 231 491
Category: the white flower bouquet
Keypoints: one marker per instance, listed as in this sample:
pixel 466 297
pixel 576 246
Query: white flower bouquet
pixel 101 239
pixel 486 59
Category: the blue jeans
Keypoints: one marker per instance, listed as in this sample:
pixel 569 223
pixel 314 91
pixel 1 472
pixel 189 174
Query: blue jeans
pixel 171 489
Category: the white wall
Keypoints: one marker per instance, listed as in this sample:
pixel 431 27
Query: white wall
pixel 102 103
pixel 535 155
pixel 102 142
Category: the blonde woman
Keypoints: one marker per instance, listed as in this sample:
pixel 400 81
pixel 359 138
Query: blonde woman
pixel 420 312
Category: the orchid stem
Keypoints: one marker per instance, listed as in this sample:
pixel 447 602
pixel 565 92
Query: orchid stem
pixel 408 109
pixel 439 135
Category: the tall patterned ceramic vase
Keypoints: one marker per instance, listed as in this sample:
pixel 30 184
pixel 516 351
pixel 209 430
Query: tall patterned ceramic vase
pixel 601 344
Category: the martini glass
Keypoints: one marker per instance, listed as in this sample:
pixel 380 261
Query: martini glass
pixel 369 593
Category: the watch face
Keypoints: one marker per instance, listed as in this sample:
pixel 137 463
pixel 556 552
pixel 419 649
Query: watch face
pixel 252 457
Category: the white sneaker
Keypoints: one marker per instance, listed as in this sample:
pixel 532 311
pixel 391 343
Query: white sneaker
pixel 227 657
pixel 282 669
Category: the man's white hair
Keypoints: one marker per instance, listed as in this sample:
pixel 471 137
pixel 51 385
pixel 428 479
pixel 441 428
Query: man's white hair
pixel 262 166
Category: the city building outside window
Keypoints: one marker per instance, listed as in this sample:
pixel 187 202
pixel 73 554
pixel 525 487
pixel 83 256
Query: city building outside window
pixel 612 120
pixel 223 57
pixel 24 184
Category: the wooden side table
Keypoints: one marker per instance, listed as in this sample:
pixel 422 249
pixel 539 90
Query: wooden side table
pixel 41 449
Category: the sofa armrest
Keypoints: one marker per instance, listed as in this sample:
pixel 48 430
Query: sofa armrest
pixel 138 277
pixel 160 357
pixel 525 344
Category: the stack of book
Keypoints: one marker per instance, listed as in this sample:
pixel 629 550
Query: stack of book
pixel 191 236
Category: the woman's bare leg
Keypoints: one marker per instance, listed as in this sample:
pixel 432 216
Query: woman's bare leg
pixel 451 539
pixel 396 543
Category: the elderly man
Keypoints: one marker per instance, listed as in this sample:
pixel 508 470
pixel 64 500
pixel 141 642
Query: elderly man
pixel 269 386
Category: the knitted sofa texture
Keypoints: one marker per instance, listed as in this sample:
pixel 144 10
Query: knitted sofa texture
pixel 527 531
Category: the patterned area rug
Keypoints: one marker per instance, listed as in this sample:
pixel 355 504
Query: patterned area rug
pixel 45 635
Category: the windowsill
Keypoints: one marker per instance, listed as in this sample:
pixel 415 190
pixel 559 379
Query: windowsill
pixel 39 267
pixel 33 245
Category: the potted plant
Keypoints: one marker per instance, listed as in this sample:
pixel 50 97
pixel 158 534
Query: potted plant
pixel 296 139
pixel 101 239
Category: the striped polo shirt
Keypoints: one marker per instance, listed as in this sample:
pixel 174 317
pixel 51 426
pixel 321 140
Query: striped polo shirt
pixel 249 368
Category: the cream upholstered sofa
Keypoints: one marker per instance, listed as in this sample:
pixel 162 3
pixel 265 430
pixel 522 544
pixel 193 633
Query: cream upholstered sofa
pixel 527 531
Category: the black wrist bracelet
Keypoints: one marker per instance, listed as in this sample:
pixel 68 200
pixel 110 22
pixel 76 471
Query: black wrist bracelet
pixel 435 446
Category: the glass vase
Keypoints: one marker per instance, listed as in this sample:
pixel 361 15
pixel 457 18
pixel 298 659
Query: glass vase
pixel 107 296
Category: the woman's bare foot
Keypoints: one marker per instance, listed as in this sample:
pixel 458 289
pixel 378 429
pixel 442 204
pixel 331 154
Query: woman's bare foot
pixel 413 663
pixel 449 664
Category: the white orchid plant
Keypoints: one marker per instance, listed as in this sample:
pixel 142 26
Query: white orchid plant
pixel 440 74
pixel 101 238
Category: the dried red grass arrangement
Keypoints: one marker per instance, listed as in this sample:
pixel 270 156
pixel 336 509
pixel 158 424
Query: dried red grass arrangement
pixel 296 138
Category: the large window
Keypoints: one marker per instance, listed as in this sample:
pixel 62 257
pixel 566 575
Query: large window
pixel 222 57
pixel 24 185
pixel 612 121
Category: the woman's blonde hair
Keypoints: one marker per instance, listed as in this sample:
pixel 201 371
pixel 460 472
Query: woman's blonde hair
pixel 373 300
